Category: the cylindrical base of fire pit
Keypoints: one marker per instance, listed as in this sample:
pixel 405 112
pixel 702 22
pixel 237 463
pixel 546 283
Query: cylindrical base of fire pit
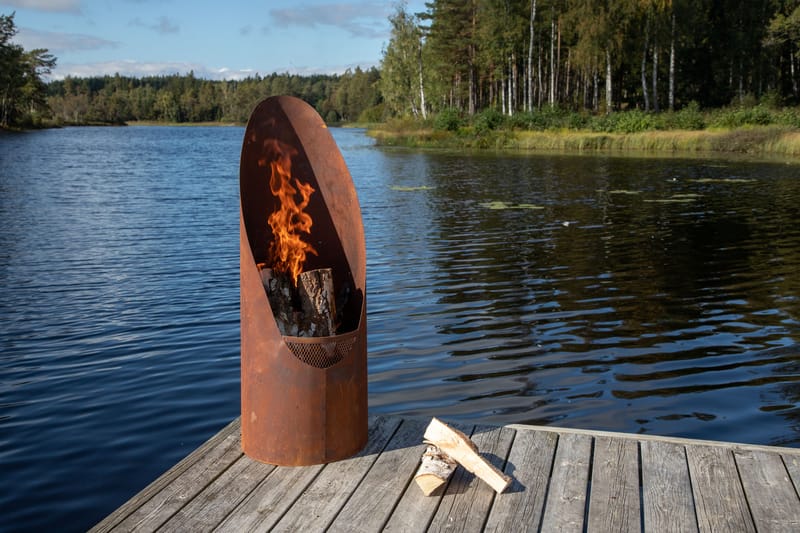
pixel 304 399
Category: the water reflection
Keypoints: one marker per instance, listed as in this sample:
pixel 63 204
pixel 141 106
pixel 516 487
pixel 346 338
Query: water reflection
pixel 637 295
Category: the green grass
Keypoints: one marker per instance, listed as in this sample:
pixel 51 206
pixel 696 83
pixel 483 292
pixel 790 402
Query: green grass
pixel 755 130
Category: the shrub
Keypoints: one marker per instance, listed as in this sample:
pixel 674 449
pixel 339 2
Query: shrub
pixel 634 121
pixel 548 118
pixel 447 120
pixel 578 121
pixel 488 120
pixel 624 122
pixel 742 116
pixel 788 117
pixel 373 114
pixel 688 118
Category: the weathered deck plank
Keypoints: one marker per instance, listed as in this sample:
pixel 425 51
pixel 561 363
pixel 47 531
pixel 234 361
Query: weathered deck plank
pixel 267 504
pixel 772 497
pixel 319 504
pixel 209 507
pixel 564 480
pixel 666 488
pixel 614 497
pixel 718 494
pixel 566 502
pixel 371 505
pixel 529 463
pixel 792 463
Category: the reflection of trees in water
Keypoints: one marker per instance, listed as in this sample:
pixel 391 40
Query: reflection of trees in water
pixel 665 296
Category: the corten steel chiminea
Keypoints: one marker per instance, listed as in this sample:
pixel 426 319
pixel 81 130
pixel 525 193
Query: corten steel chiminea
pixel 304 399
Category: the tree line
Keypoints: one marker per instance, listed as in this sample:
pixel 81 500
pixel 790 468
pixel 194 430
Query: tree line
pixel 598 55
pixel 186 98
pixel 467 56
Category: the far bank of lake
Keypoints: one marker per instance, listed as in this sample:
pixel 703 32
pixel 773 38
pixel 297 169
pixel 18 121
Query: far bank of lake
pixel 756 141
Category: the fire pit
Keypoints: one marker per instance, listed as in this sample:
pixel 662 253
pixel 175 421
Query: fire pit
pixel 303 291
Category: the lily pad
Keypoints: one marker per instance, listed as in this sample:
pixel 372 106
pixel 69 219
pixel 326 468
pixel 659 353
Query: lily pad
pixel 623 191
pixel 404 188
pixel 498 205
pixel 723 180
pixel 673 200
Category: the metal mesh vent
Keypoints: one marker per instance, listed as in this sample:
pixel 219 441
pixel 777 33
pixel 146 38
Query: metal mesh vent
pixel 321 352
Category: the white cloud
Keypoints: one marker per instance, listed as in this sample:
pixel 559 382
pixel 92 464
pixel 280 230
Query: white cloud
pixel 59 41
pixel 57 6
pixel 360 19
pixel 139 69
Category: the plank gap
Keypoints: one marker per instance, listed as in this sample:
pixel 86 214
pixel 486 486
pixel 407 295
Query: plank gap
pixel 588 495
pixel 549 481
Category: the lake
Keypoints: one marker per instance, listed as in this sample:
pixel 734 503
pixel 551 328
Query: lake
pixel 637 294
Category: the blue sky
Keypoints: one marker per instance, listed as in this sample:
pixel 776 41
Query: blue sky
pixel 227 39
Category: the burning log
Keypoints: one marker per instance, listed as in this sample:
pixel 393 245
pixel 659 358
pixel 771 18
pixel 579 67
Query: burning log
pixel 318 302
pixel 453 443
pixel 316 316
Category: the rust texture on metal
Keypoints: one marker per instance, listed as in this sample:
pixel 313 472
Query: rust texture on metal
pixel 304 401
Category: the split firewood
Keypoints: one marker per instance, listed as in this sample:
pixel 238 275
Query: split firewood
pixel 307 311
pixel 435 469
pixel 318 302
pixel 279 294
pixel 460 448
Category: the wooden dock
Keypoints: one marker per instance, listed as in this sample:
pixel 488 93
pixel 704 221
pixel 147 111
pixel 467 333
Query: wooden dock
pixel 564 480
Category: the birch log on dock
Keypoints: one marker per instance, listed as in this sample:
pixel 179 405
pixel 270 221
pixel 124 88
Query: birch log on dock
pixel 460 448
pixel 435 469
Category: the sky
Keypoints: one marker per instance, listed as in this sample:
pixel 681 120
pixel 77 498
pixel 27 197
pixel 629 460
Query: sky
pixel 228 39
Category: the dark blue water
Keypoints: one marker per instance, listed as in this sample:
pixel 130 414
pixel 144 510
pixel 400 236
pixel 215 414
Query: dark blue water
pixel 644 295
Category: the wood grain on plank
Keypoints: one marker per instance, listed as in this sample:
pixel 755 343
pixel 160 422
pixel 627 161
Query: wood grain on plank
pixel 666 488
pixel 770 492
pixel 719 498
pixel 614 496
pixel 521 506
pixel 566 499
pixel 322 500
pixel 370 506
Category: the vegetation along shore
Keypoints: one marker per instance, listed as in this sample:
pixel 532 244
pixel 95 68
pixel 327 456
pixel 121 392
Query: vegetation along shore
pixel 659 76
pixel 756 131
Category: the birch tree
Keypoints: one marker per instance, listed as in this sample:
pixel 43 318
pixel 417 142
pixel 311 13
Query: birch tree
pixel 529 65
pixel 402 71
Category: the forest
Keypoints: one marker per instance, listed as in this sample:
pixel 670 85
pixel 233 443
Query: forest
pixel 464 57
pixel 187 99
pixel 598 55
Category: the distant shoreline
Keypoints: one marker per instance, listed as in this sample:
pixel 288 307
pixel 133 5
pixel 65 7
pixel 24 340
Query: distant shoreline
pixel 135 123
pixel 747 141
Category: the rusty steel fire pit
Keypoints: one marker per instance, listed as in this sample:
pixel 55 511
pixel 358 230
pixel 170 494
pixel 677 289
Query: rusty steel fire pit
pixel 304 398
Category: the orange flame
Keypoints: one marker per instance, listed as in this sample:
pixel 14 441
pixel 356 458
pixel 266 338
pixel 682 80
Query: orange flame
pixel 289 221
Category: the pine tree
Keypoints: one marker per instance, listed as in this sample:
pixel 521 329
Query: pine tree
pixel 22 91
